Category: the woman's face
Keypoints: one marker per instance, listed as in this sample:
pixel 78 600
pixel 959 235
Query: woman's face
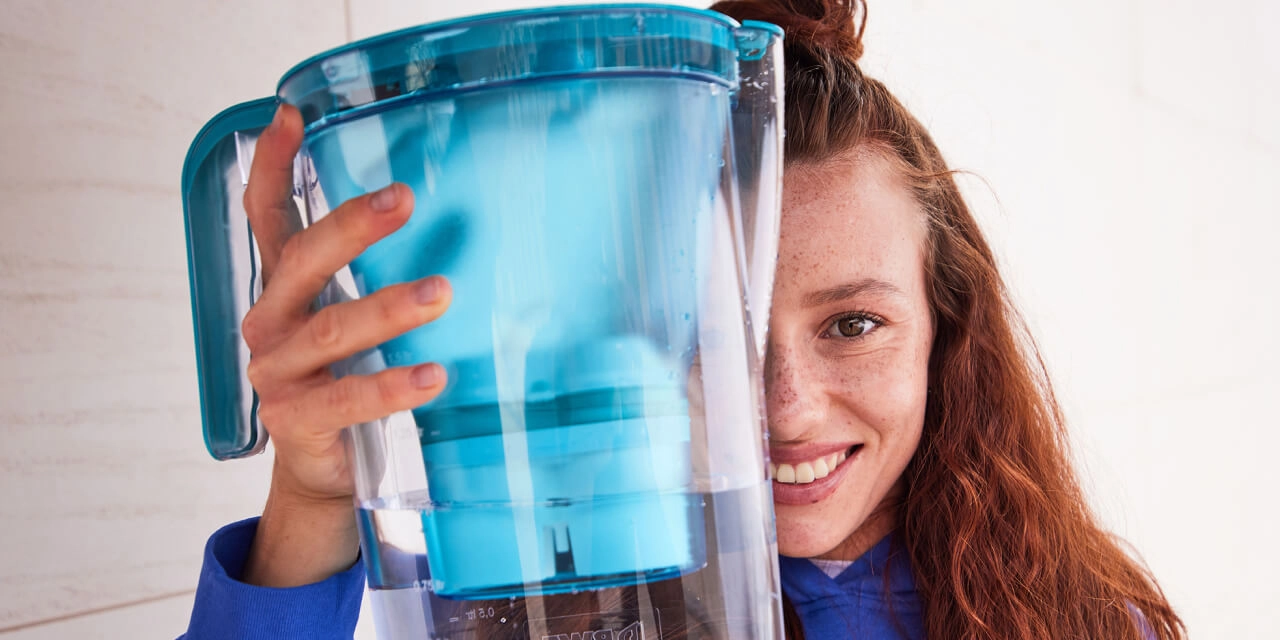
pixel 849 341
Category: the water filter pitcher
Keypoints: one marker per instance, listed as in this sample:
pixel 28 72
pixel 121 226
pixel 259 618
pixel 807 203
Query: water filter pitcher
pixel 600 185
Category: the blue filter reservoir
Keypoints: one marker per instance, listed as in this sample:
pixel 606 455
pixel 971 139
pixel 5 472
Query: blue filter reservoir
pixel 567 421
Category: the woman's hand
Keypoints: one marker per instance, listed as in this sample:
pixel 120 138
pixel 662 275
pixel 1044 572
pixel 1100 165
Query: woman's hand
pixel 307 532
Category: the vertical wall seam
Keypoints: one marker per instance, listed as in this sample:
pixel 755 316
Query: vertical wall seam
pixel 346 19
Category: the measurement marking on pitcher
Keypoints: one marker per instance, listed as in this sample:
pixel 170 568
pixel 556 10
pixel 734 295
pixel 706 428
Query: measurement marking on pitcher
pixel 478 614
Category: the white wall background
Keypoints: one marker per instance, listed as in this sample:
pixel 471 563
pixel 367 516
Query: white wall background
pixel 1127 154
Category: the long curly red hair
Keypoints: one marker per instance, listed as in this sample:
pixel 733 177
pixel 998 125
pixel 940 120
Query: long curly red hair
pixel 1001 539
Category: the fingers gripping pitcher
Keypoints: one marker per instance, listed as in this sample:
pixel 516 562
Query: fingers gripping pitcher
pixel 590 179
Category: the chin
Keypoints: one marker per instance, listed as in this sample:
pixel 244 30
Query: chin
pixel 807 543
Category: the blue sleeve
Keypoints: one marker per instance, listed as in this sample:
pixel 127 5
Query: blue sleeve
pixel 1144 627
pixel 228 608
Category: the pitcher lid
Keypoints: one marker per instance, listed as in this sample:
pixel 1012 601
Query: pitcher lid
pixel 500 48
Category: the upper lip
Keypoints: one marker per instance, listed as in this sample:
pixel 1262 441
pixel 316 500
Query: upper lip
pixel 792 454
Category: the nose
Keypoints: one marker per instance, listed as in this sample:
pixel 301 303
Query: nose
pixel 793 397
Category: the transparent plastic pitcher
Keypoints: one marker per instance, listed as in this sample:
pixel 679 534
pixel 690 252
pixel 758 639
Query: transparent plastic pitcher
pixel 600 186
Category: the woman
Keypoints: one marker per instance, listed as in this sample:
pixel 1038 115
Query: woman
pixel 922 485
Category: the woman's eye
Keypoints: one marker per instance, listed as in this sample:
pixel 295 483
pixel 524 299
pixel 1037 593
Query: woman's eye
pixel 851 327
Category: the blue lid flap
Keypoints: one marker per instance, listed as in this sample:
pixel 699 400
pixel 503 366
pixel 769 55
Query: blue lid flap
pixel 222 266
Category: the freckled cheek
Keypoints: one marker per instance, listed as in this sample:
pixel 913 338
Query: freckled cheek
pixel 887 394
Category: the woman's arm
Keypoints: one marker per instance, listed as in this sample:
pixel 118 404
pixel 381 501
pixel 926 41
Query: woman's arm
pixel 301 540
pixel 227 607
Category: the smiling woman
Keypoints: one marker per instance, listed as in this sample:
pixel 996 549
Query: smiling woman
pixel 849 342
pixel 893 343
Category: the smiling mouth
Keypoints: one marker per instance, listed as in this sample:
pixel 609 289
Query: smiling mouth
pixel 811 471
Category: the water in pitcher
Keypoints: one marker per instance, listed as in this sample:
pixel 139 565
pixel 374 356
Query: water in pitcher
pixel 687 605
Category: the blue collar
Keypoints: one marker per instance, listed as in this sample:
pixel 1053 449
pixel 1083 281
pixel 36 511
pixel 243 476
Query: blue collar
pixel 875 597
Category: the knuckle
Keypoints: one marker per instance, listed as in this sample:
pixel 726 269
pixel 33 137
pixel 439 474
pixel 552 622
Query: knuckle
pixel 388 391
pixel 343 396
pixel 326 327
pixel 270 414
pixel 256 201
pixel 388 309
pixel 256 372
pixel 252 199
pixel 252 329
pixel 293 253
pixel 351 224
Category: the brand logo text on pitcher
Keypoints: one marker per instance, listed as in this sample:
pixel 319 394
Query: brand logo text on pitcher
pixel 633 631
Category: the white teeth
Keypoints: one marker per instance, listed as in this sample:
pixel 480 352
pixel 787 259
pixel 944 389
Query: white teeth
pixel 820 468
pixel 806 472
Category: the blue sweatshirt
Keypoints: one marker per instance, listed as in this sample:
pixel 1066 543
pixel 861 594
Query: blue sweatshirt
pixel 874 598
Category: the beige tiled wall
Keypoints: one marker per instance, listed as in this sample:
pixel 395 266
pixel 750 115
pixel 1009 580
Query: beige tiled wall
pixel 1124 158
pixel 106 494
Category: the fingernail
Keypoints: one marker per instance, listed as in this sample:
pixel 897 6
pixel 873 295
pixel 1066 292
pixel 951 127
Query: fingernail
pixel 427 375
pixel 428 290
pixel 385 199
pixel 278 119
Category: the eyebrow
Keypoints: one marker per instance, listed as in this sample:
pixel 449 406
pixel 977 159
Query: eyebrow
pixel 850 290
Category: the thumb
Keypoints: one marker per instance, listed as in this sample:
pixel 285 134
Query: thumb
pixel 268 198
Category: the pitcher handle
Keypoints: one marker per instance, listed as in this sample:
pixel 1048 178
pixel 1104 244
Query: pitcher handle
pixel 223 267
